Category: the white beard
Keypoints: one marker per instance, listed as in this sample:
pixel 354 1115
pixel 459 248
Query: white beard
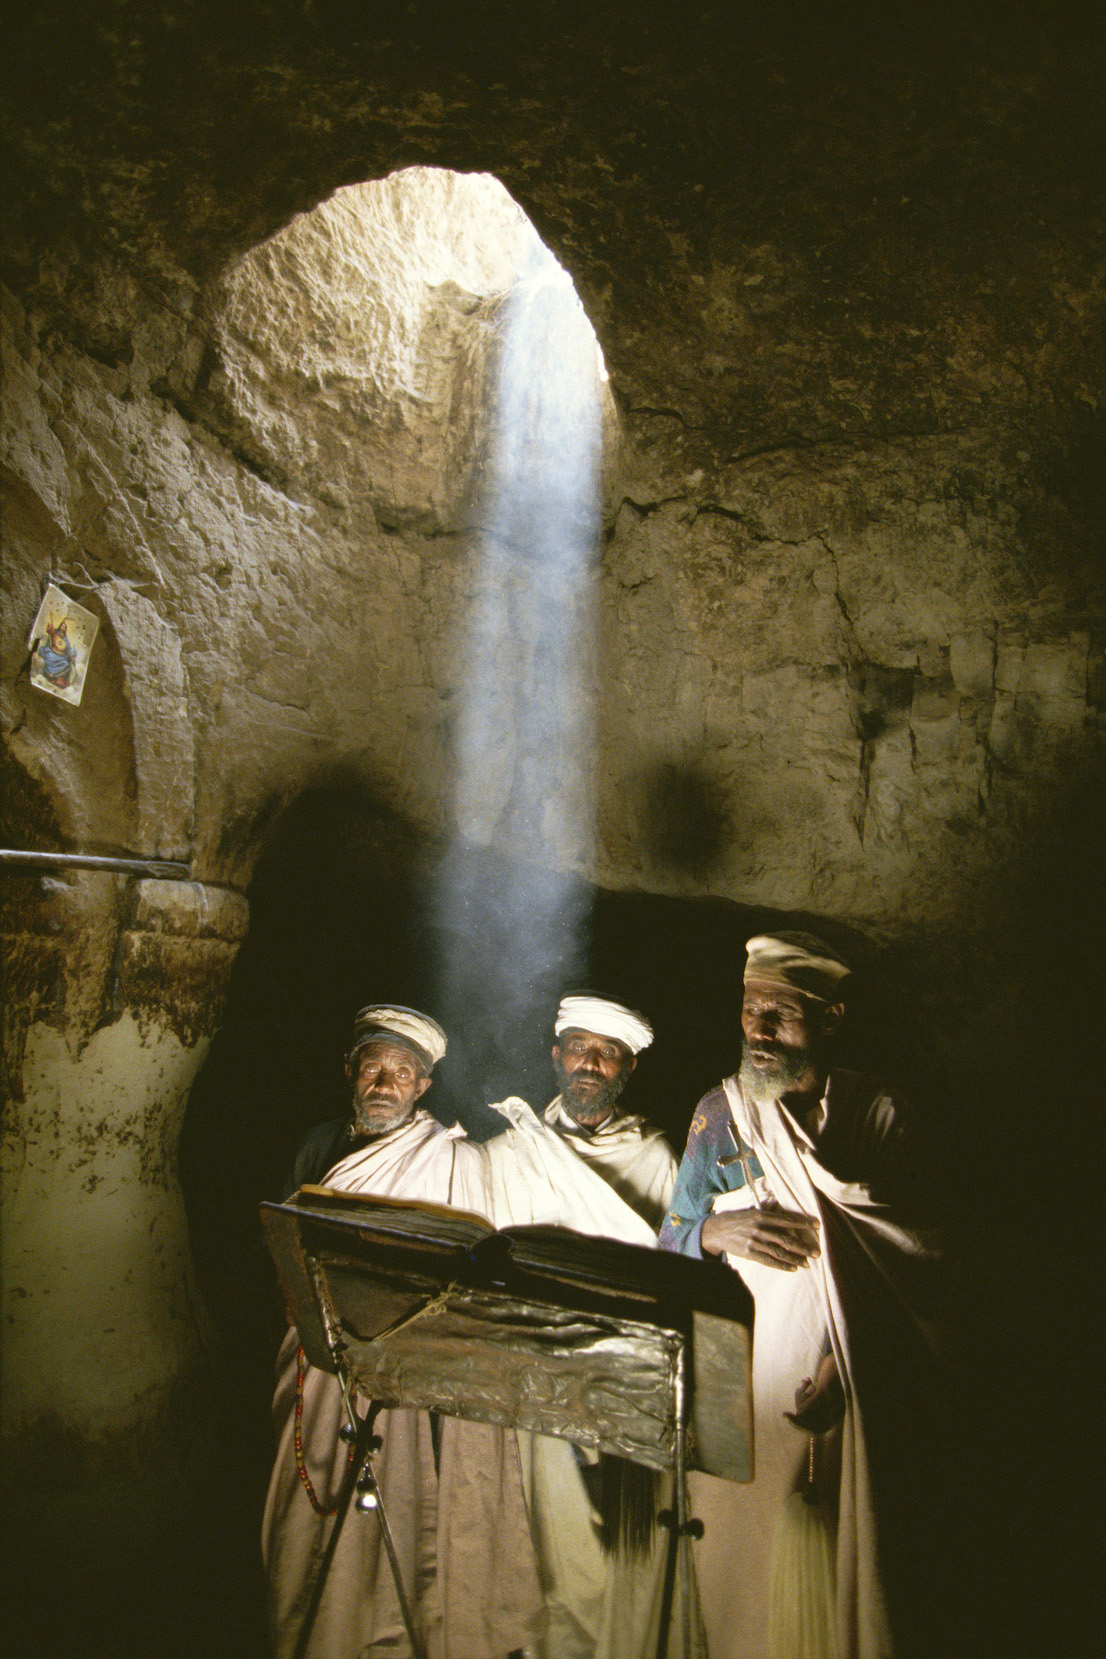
pixel 765 1084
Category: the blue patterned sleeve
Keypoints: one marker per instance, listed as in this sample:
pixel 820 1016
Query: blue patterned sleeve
pixel 700 1176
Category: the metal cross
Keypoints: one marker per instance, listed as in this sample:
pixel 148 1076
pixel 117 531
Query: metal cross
pixel 743 1157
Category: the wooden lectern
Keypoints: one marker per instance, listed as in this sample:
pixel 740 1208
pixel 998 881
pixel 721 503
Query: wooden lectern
pixel 611 1345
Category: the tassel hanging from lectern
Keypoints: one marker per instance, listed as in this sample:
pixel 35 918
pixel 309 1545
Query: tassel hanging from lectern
pixel 627 1505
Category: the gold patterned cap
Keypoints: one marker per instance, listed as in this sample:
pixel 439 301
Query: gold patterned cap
pixel 797 962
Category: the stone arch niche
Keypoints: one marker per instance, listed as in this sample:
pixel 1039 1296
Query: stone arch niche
pixel 354 349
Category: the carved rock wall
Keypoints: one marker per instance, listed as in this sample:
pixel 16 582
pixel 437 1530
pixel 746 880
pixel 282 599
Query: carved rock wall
pixel 865 696
pixel 849 284
pixel 831 673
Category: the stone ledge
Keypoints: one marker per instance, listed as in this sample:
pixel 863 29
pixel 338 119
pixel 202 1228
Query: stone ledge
pixel 189 910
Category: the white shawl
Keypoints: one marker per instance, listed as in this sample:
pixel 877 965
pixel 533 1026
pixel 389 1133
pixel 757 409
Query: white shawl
pixel 863 1291
pixel 628 1152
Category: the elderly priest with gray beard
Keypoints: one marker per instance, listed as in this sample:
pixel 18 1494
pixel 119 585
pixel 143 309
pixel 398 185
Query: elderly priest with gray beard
pixel 452 1489
pixel 795 1173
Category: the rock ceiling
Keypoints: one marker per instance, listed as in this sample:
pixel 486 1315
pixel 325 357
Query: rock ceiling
pixel 789 226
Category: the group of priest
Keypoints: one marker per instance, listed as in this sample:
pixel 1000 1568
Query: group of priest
pixel 794 1175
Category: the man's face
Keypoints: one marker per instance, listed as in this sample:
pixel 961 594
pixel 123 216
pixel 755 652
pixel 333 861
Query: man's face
pixel 785 1041
pixel 592 1071
pixel 387 1081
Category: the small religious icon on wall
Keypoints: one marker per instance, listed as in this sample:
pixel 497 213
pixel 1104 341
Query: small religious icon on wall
pixel 60 641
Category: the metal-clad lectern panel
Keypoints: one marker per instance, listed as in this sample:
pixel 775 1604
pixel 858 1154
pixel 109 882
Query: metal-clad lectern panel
pixel 536 1328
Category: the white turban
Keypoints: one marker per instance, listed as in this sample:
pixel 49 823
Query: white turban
pixel 415 1031
pixel 796 961
pixel 605 1019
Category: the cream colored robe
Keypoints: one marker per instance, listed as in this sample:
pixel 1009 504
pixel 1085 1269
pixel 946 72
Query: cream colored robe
pixel 629 1153
pixel 599 1606
pixel 462 1534
pixel 863 1291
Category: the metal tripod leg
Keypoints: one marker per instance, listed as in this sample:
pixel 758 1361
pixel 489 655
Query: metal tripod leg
pixel 680 1528
pixel 358 1478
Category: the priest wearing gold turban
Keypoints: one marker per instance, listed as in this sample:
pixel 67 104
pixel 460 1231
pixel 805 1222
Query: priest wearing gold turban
pixel 795 1173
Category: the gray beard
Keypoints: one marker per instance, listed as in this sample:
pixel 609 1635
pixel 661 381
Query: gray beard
pixel 765 1084
pixel 367 1129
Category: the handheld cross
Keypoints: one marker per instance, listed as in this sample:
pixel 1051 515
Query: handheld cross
pixel 745 1158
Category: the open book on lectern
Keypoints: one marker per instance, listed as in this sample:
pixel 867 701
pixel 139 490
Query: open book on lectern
pixel 537 1328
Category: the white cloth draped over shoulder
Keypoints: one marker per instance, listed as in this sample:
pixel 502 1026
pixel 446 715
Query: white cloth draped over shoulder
pixel 457 1511
pixel 535 1178
pixel 630 1154
pixel 864 1292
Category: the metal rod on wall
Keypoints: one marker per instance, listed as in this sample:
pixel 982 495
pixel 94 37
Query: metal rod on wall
pixel 166 869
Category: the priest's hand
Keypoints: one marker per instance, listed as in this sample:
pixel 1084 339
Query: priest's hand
pixel 819 1400
pixel 773 1237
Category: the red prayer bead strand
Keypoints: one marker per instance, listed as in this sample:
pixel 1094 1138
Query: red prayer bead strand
pixel 297 1441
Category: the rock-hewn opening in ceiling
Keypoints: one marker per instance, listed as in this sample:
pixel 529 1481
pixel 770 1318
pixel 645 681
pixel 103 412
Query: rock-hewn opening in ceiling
pixel 412 351
pixel 356 349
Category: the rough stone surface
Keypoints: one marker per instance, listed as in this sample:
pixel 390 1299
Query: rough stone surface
pixel 848 281
pixel 853 439
pixel 862 688
pixel 354 348
pixel 162 737
pixel 90 1189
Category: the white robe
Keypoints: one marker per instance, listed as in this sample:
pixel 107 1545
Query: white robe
pixel 862 1291
pixel 462 1533
pixel 629 1153
pixel 599 1606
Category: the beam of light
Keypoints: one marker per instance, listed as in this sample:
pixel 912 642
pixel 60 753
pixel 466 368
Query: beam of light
pixel 511 899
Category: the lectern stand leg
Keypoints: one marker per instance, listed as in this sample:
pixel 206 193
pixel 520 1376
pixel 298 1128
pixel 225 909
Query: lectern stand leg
pixel 680 1529
pixel 360 1479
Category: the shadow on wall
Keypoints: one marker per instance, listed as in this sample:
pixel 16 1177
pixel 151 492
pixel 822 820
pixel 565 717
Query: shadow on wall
pixel 1023 1159
pixel 687 818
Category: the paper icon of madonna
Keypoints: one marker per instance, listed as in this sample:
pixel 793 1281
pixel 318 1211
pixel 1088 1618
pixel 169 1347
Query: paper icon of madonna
pixel 60 641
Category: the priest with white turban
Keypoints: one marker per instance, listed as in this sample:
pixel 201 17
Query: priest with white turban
pixel 452 1490
pixel 594 1167
pixel 795 1174
pixel 596 1046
